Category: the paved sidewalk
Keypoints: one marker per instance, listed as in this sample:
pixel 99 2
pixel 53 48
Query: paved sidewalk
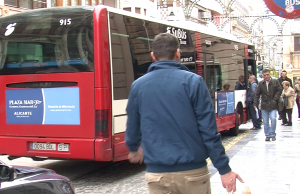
pixel 267 167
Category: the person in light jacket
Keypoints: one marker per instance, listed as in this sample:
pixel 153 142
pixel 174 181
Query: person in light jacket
pixel 297 91
pixel 289 93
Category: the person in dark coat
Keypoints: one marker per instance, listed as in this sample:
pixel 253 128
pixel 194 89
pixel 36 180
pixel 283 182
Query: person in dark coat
pixel 283 78
pixel 269 90
pixel 170 113
pixel 241 85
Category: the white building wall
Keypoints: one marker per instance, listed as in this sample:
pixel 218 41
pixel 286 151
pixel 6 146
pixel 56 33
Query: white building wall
pixel 147 5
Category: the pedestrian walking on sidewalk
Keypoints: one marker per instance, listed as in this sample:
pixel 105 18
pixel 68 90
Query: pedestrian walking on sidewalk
pixel 269 90
pixel 283 77
pixel 289 93
pixel 254 113
pixel 171 115
pixel 297 94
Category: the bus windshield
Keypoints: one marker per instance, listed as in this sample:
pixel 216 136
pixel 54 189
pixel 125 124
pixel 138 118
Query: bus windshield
pixel 47 42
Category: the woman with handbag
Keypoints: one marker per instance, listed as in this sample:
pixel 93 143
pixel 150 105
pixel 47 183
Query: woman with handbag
pixel 288 94
pixel 297 94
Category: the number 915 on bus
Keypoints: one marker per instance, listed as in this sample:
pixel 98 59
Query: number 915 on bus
pixel 64 22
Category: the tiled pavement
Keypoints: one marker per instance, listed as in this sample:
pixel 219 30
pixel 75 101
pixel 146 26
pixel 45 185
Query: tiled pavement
pixel 267 167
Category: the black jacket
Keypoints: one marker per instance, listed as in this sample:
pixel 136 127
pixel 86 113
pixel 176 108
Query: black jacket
pixel 286 79
pixel 269 99
pixel 240 86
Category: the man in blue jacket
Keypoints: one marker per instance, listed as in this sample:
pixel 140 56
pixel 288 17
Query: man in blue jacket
pixel 254 115
pixel 170 114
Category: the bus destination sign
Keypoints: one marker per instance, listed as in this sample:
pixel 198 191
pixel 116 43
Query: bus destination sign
pixel 284 8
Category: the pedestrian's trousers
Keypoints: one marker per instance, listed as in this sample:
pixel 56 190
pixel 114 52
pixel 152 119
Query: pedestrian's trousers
pixel 184 182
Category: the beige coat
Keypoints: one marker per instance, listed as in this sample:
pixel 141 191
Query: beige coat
pixel 290 94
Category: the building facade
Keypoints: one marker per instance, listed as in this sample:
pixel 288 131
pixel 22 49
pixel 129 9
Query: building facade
pixel 291 49
pixel 144 7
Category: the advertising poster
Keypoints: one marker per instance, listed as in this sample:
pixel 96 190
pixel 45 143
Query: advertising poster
pixel 225 103
pixel 47 106
pixel 230 102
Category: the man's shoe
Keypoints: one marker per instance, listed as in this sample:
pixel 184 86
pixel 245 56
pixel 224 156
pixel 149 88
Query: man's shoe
pixel 273 138
pixel 267 139
pixel 284 124
pixel 255 128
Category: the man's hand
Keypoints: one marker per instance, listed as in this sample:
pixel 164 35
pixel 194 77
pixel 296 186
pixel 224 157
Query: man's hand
pixel 254 107
pixel 136 157
pixel 228 181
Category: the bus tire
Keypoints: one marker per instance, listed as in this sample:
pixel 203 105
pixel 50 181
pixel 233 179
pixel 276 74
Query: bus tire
pixel 235 130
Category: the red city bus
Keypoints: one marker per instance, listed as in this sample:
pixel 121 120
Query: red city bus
pixel 65 76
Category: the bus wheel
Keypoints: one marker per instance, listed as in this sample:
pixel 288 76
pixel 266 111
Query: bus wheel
pixel 235 130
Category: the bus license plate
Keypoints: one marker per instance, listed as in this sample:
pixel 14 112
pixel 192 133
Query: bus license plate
pixel 62 147
pixel 43 146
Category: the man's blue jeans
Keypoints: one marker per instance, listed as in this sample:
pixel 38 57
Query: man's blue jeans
pixel 267 116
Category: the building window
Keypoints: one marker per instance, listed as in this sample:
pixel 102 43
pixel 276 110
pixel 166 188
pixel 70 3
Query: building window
pixel 93 2
pixel 27 4
pixel 53 3
pixel 127 9
pixel 74 2
pixel 296 43
pixel 138 10
pixel 200 14
pixel 66 2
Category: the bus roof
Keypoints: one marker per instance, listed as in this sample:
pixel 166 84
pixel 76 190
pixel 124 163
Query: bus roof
pixel 187 25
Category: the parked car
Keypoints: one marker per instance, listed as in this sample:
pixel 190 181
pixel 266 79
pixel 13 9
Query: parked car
pixel 25 180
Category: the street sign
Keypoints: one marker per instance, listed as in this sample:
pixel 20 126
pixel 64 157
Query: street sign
pixel 284 8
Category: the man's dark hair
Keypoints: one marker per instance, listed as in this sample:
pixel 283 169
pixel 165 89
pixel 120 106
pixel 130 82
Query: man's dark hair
pixel 283 71
pixel 266 71
pixel 165 46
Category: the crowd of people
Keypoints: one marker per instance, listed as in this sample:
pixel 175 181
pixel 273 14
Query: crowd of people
pixel 171 125
pixel 270 96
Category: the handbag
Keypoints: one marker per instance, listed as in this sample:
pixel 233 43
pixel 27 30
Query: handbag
pixel 280 104
pixel 285 101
